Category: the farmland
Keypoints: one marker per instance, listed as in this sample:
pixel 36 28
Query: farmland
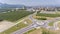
pixel 48 15
pixel 14 15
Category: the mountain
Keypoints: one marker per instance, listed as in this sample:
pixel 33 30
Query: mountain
pixel 10 6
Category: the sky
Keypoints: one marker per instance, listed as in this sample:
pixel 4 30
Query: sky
pixel 32 2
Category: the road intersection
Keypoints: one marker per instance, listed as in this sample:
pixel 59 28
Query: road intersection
pixel 37 23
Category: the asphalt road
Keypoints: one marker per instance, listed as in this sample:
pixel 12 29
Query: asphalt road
pixel 23 30
pixel 35 24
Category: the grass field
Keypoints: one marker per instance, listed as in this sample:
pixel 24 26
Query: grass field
pixel 48 15
pixel 58 24
pixel 51 24
pixel 14 15
pixel 17 26
pixel 14 28
pixel 46 31
pixel 41 31
pixel 30 31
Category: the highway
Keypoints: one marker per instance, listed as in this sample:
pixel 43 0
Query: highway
pixel 37 23
pixel 23 30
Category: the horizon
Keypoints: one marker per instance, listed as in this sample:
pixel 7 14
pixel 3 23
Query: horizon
pixel 32 2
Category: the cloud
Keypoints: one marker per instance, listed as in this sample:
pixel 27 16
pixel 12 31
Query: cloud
pixel 32 2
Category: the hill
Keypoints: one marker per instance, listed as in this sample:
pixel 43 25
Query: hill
pixel 10 6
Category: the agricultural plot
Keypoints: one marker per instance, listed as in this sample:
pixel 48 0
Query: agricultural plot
pixel 48 15
pixel 14 15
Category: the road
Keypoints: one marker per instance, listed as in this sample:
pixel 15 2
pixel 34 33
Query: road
pixel 36 23
pixel 26 29
pixel 23 30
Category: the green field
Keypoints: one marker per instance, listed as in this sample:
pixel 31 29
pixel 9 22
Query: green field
pixel 41 18
pixel 14 28
pixel 43 30
pixel 29 31
pixel 14 15
pixel 50 24
pixel 48 15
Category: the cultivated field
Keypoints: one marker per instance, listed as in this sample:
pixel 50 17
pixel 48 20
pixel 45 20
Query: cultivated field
pixel 14 15
pixel 48 15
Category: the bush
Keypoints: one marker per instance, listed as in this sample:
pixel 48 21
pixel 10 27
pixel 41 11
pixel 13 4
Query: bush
pixel 41 18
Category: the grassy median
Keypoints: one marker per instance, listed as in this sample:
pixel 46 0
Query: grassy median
pixel 51 23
